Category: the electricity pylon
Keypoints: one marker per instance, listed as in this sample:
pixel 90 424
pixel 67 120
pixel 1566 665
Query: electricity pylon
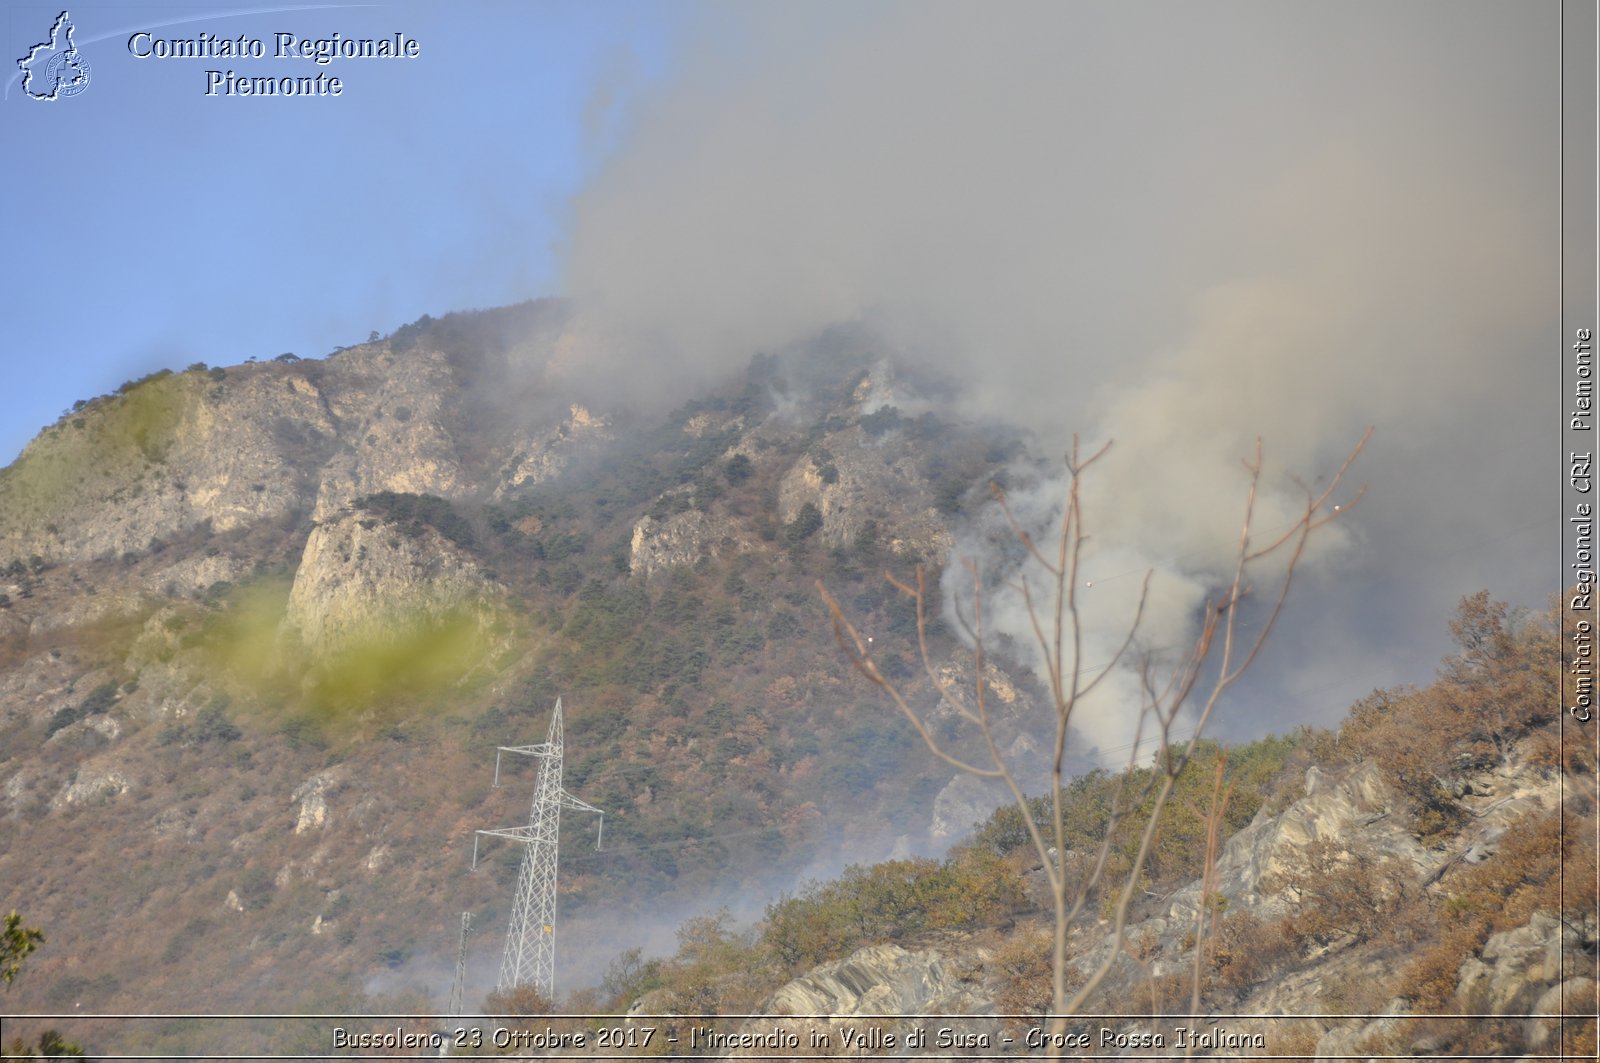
pixel 458 988
pixel 530 957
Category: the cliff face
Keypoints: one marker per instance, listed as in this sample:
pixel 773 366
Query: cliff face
pixel 390 408
pixel 860 992
pixel 261 628
pixel 166 456
pixel 855 480
pixel 226 449
pixel 362 579
pixel 662 544
pixel 1540 968
pixel 260 623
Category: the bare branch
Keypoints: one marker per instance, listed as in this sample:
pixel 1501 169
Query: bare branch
pixel 865 665
pixel 1220 650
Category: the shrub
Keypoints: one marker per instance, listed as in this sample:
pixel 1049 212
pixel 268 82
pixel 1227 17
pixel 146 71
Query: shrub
pixel 1502 893
pixel 1253 770
pixel 511 1004
pixel 1245 951
pixel 412 512
pixel 212 723
pixel 1489 695
pixel 629 977
pixel 99 700
pixel 947 497
pixel 880 421
pixel 738 469
pixel 1024 967
pixel 1342 895
pixel 130 385
pixel 805 524
pixel 887 901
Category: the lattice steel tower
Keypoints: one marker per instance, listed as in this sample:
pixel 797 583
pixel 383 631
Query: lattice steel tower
pixel 530 957
pixel 458 987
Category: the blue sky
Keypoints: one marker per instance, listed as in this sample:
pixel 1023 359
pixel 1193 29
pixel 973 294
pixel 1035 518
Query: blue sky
pixel 152 226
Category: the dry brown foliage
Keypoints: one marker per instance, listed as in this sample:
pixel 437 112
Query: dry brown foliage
pixel 1220 655
pixel 1343 894
pixel 1023 966
pixel 517 1002
pixel 1245 951
pixel 1494 691
pixel 1502 893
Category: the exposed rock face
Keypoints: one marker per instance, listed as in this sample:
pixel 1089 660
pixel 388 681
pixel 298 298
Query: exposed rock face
pixel 880 979
pixel 1515 970
pixel 539 458
pixel 880 388
pixel 681 539
pixel 313 796
pixel 1517 967
pixel 703 424
pixel 196 573
pixel 1518 972
pixel 1000 691
pixel 885 980
pixel 168 455
pixel 362 579
pixel 1359 809
pixel 867 480
pixel 1359 805
pixel 229 449
pixel 389 407
pixel 93 786
pixel 963 803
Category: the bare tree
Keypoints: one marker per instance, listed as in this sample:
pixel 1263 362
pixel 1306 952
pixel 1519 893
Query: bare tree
pixel 1220 654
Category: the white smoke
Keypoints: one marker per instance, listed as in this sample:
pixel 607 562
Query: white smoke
pixel 1178 226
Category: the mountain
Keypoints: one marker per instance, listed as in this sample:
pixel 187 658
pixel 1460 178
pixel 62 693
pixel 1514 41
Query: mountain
pixel 1420 882
pixel 263 626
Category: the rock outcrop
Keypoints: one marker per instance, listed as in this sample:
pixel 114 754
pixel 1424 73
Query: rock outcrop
pixel 685 538
pixel 227 449
pixel 884 980
pixel 537 459
pixel 167 455
pixel 92 786
pixel 312 796
pixel 390 409
pixel 362 580
pixel 862 480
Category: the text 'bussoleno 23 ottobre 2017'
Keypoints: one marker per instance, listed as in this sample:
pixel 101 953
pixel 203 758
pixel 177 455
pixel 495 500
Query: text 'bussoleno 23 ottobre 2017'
pixel 320 51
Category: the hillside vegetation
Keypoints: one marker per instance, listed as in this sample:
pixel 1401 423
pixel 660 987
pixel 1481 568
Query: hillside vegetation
pixel 1354 926
pixel 253 667
pixel 263 626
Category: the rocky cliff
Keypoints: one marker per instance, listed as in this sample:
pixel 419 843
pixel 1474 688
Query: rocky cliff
pixel 263 625
pixel 1524 978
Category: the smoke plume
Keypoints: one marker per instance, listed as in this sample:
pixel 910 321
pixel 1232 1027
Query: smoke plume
pixel 1180 227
